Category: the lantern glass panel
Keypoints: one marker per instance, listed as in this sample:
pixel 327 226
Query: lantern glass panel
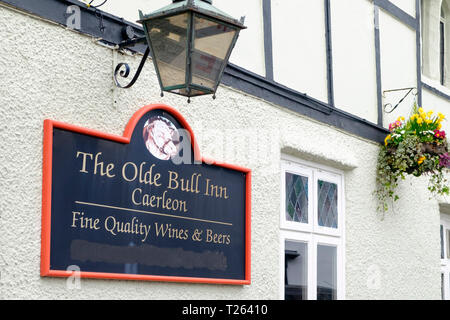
pixel 169 41
pixel 212 40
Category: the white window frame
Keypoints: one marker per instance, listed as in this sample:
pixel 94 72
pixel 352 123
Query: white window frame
pixel 311 233
pixel 445 263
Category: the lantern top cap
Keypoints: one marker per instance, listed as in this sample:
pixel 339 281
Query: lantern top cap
pixel 203 7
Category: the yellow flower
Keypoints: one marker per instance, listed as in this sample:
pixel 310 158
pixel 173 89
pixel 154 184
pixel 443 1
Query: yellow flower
pixel 428 121
pixel 387 139
pixel 429 113
pixel 402 118
pixel 419 120
pixel 439 126
pixel 420 110
pixel 421 159
pixel 423 115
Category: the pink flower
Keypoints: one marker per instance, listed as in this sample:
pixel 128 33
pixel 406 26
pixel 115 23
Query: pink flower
pixel 394 125
pixel 444 160
pixel 439 134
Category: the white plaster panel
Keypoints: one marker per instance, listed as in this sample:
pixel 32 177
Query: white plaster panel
pixel 299 50
pixel 398 64
pixel 355 87
pixel 431 101
pixel 70 80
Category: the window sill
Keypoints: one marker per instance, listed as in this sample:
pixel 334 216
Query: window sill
pixel 435 87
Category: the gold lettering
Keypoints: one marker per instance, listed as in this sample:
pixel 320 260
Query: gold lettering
pixel 132 196
pixel 217 237
pixel 215 191
pixel 135 171
pixel 164 202
pixel 171 173
pixel 85 155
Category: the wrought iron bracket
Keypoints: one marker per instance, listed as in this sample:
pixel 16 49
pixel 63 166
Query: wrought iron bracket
pixel 123 70
pixel 133 39
pixel 387 105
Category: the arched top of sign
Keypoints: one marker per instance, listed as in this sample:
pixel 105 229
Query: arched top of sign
pixel 160 133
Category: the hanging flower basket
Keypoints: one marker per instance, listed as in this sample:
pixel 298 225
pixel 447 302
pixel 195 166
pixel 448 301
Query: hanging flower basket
pixel 417 147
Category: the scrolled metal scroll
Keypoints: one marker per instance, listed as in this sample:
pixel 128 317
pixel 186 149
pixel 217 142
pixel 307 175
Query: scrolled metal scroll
pixel 124 73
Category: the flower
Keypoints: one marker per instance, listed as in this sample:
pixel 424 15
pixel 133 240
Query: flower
pixel 421 159
pixel 444 160
pixel 386 140
pixel 439 134
pixel 419 120
pixel 396 124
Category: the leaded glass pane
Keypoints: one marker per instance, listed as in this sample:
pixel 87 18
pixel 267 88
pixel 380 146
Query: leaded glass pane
pixel 327 204
pixel 296 198
pixel 296 270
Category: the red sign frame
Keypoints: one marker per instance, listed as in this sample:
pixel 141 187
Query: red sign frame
pixel 49 125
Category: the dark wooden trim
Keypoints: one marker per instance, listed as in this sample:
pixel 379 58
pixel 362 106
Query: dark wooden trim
pixel 329 46
pixel 435 91
pixel 378 66
pixel 397 12
pixel 268 52
pixel 419 52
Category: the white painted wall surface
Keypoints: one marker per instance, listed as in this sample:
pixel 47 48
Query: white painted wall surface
pixel 398 63
pixel 355 87
pixel 251 40
pixel 436 103
pixel 70 80
pixel 299 51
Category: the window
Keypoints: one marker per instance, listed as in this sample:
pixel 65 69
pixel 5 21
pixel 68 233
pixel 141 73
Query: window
pixel 435 46
pixel 312 230
pixel 445 256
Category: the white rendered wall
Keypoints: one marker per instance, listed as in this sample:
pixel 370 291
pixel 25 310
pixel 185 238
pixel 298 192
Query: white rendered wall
pixel 249 50
pixel 299 51
pixel 355 87
pixel 70 80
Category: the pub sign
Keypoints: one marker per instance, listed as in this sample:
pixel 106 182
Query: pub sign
pixel 142 206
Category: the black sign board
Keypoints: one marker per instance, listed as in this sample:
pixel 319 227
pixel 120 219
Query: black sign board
pixel 144 206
